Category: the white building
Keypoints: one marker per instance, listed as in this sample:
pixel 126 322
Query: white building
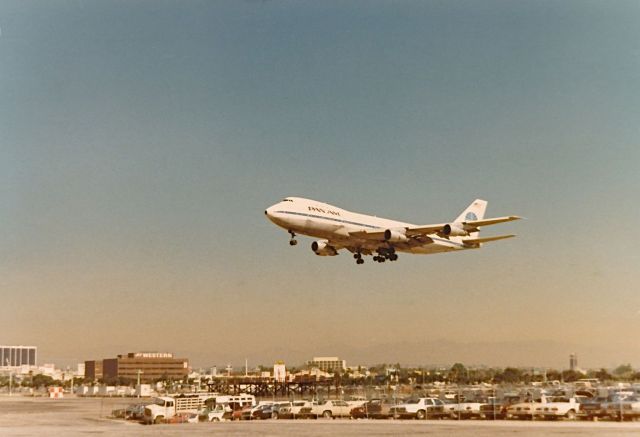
pixel 17 356
pixel 279 371
pixel 328 364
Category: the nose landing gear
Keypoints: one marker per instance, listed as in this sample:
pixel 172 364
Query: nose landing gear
pixel 293 240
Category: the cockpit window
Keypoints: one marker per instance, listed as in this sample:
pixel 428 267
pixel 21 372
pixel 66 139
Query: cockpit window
pixel 287 200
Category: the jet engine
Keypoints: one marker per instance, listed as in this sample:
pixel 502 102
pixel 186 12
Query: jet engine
pixel 395 236
pixel 454 230
pixel 322 248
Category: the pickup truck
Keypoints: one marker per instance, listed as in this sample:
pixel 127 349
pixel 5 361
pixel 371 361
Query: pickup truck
pixel 161 409
pixel 421 408
pixel 331 408
pixel 164 408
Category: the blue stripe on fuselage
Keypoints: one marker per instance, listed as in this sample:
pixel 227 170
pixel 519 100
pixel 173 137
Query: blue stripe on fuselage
pixel 329 218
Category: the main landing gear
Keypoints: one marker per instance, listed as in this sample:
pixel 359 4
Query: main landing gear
pixel 383 254
pixel 293 240
pixel 386 254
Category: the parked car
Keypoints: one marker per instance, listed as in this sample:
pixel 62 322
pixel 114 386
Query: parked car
pixel 284 412
pixel 595 408
pixel 522 410
pixel 556 407
pixel 373 409
pixel 281 410
pixel 262 412
pixel 497 408
pixel 244 413
pixel 627 408
pixel 464 410
pixel 356 401
pixel 307 411
pixel 420 408
pixel 297 406
pixel 217 413
pixel 331 408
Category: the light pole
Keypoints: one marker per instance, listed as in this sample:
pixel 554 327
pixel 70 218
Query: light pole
pixel 10 377
pixel 139 387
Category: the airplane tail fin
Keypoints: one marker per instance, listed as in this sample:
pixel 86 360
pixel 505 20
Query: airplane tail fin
pixel 475 211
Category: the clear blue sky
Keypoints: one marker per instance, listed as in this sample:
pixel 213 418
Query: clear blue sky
pixel 140 142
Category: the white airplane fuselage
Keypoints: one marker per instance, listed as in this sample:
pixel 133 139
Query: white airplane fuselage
pixel 321 220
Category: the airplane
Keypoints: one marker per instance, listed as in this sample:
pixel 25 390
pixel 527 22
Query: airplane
pixel 363 234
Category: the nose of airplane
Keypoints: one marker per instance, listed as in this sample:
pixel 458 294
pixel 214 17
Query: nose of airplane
pixel 269 212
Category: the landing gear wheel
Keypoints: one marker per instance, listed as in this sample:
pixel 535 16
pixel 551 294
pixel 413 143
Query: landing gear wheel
pixel 293 240
pixel 358 258
pixel 393 257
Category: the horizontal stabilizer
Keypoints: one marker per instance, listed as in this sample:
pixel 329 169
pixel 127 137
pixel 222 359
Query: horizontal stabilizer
pixel 474 241
pixel 491 221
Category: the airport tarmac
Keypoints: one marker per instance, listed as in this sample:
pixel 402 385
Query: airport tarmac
pixel 20 416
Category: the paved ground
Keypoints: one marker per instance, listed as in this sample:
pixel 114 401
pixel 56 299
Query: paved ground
pixel 21 416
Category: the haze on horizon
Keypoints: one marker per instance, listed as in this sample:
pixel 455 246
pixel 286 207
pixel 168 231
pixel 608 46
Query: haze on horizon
pixel 140 143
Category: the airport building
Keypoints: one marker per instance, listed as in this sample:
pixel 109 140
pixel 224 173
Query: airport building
pixel 328 364
pixel 18 356
pixel 93 369
pixel 151 366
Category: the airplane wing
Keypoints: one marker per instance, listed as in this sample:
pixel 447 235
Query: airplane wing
pixel 474 241
pixel 425 230
pixel 432 229
pixel 471 224
pixel 368 235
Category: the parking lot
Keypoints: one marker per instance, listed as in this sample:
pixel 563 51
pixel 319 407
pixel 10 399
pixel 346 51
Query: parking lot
pixel 23 416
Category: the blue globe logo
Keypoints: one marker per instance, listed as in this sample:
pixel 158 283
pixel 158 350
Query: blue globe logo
pixel 470 216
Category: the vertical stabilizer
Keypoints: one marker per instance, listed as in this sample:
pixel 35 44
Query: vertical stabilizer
pixel 475 211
